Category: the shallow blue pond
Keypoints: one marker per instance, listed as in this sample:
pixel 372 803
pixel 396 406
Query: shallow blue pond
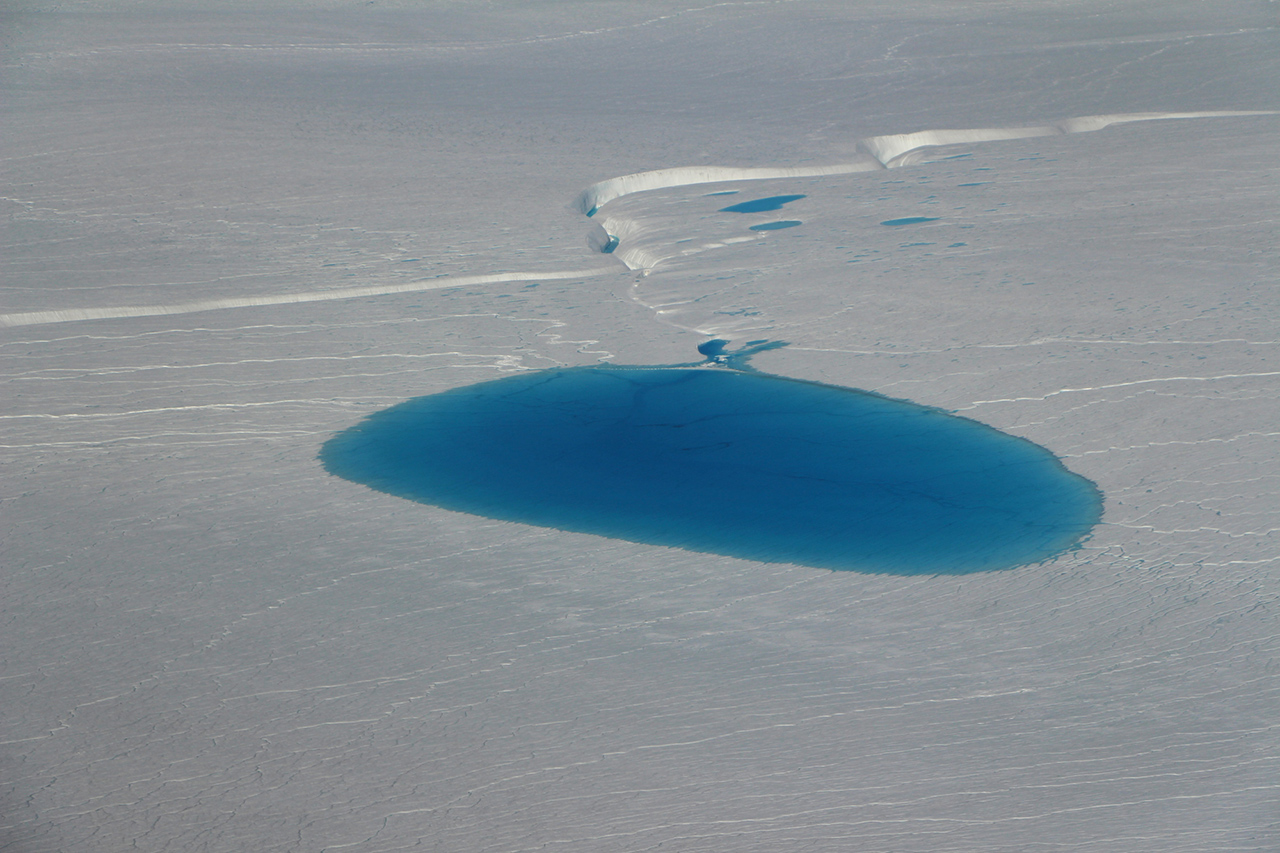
pixel 910 220
pixel 776 226
pixel 760 205
pixel 728 462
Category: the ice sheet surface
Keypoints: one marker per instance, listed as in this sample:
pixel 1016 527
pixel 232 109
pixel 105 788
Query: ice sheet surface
pixel 210 643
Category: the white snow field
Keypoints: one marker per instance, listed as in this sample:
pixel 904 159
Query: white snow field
pixel 232 230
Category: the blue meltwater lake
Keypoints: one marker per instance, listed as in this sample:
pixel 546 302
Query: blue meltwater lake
pixel 731 462
pixel 760 205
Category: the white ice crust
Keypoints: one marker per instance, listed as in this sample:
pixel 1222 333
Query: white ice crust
pixel 228 235
pixel 885 152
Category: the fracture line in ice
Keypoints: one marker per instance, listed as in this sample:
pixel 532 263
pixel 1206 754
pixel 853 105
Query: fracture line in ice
pixel 1133 384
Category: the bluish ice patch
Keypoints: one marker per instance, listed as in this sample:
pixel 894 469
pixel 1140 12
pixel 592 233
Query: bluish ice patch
pixel 729 462
pixel 974 184
pixel 713 348
pixel 739 359
pixel 910 220
pixel 723 192
pixel 775 226
pixel 760 205
pixel 610 245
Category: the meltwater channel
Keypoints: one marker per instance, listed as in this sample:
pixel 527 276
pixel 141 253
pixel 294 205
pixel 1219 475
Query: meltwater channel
pixel 732 462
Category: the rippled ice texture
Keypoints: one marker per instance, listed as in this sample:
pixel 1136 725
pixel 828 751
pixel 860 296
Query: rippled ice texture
pixel 326 208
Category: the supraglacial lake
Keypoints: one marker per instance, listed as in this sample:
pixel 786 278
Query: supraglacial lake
pixel 731 462
pixel 761 205
pixel 910 220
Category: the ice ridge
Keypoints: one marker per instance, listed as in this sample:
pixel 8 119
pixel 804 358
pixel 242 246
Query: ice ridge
pixel 876 152
pixel 70 315
pixel 612 235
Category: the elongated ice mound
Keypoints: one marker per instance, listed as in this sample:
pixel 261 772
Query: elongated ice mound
pixel 877 152
pixel 71 315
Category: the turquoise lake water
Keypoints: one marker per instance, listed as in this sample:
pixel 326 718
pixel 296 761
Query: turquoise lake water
pixel 776 226
pixel 910 220
pixel 760 205
pixel 728 462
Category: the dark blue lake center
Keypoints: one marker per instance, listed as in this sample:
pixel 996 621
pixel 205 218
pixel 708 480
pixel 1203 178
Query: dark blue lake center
pixel 728 462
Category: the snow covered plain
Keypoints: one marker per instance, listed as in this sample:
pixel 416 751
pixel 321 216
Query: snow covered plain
pixel 209 644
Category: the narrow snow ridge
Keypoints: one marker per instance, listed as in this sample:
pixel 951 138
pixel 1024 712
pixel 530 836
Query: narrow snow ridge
pixel 69 315
pixel 597 195
pixel 878 152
